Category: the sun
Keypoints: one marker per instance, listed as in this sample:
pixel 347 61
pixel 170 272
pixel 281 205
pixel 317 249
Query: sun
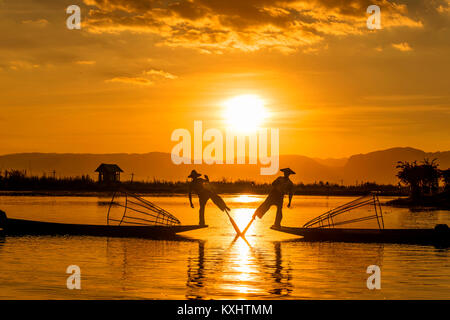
pixel 245 113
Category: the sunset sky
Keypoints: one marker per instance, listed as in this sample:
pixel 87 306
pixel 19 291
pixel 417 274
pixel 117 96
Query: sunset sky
pixel 137 70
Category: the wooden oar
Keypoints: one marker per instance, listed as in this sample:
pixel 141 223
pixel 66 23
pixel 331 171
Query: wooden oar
pixel 233 223
pixel 248 226
pixel 243 238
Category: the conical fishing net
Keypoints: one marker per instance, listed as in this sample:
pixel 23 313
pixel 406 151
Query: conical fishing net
pixel 364 212
pixel 130 209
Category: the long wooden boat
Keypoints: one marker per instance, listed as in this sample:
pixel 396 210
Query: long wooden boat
pixel 440 235
pixel 139 218
pixel 15 227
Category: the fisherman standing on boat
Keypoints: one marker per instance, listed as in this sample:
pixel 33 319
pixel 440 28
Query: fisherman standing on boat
pixel 280 187
pixel 205 192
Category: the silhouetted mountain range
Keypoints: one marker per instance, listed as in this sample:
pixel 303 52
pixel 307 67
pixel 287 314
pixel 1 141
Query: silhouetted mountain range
pixel 378 166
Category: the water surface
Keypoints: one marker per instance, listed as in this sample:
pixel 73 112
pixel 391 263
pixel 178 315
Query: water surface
pixel 209 264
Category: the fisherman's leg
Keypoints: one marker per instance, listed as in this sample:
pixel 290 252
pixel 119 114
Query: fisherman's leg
pixel 201 212
pixel 279 215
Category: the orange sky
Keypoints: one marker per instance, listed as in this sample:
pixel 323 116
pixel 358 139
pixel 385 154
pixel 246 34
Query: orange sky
pixel 137 70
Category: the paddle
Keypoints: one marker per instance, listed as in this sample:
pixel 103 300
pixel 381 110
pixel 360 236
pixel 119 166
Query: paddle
pixel 248 226
pixel 233 223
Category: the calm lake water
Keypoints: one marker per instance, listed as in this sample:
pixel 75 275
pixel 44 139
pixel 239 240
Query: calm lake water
pixel 209 265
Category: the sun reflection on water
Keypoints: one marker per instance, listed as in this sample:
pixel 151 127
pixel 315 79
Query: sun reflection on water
pixel 245 198
pixel 242 216
pixel 242 273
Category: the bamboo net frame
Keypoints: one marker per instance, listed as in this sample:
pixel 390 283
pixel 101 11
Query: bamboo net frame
pixel 328 219
pixel 139 211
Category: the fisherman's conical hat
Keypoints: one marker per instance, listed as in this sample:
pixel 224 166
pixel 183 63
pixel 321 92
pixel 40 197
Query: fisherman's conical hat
pixel 194 174
pixel 287 171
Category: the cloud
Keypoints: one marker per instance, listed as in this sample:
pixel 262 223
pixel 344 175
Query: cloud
pixel 37 23
pixel 160 73
pixel 444 8
pixel 403 46
pixel 85 62
pixel 147 78
pixel 213 26
pixel 132 80
pixel 22 65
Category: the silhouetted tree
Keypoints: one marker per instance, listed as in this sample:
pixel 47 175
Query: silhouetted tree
pixel 445 174
pixel 430 176
pixel 421 179
pixel 409 174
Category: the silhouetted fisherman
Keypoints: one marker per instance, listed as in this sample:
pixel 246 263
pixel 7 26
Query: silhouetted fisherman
pixel 280 187
pixel 205 192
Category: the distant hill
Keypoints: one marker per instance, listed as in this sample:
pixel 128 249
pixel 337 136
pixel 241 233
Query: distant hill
pixel 330 162
pixel 378 166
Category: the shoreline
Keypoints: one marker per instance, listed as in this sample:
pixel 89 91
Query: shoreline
pixel 104 194
pixel 423 204
pixel 99 194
